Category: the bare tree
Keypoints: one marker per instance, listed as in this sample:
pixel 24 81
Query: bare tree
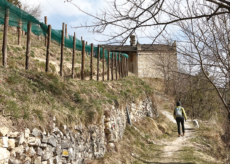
pixel 207 44
pixel 132 16
pixel 35 10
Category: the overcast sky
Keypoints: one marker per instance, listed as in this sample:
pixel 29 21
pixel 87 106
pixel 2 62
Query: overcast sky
pixel 59 11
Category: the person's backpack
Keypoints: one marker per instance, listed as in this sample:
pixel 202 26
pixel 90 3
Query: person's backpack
pixel 178 112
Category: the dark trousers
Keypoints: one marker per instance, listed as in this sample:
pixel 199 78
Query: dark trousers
pixel 180 120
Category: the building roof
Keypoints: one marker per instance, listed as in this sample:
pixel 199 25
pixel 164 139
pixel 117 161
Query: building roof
pixel 144 47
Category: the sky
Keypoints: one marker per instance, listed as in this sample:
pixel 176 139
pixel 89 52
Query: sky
pixel 59 11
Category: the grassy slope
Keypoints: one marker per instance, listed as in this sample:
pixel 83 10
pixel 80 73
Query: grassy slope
pixel 34 96
pixel 16 56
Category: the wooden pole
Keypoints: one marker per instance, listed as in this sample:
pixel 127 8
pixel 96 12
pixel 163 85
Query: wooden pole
pixel 66 32
pixel 127 71
pixel 112 65
pixel 38 35
pixel 119 66
pixel 5 37
pixel 28 45
pixel 103 65
pixel 116 64
pixel 48 48
pixel 82 60
pixel 62 48
pixel 125 66
pixel 108 66
pixel 81 38
pixel 45 34
pixel 19 29
pixel 98 58
pixel 73 58
pixel 91 62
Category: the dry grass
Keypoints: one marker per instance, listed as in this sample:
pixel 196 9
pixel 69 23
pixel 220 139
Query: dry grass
pixel 209 135
pixel 36 97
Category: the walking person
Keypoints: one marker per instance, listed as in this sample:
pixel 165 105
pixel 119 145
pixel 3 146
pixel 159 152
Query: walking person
pixel 180 116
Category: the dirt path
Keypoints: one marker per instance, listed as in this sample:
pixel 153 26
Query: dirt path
pixel 177 151
pixel 174 147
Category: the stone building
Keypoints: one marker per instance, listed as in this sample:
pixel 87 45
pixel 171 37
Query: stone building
pixel 148 60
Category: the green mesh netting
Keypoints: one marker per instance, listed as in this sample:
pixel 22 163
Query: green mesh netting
pixel 20 18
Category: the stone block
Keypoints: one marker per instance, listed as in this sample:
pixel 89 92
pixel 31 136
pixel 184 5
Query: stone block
pixel 32 141
pixel 27 133
pixel 71 154
pixel 14 161
pixel 44 162
pixel 27 160
pixel 108 125
pixel 57 160
pixel 65 144
pixel 48 153
pixel 43 145
pixel 11 143
pixel 52 141
pixel 58 151
pixel 31 152
pixel 36 132
pixel 22 139
pixel 110 147
pixel 19 150
pixel 38 160
pixel 14 134
pixel 39 151
pixel 4 154
pixel 4 131
pixel 107 119
pixel 4 142
pixel 44 139
pixel 50 161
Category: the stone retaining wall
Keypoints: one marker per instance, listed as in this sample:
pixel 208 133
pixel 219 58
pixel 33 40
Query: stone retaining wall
pixel 66 145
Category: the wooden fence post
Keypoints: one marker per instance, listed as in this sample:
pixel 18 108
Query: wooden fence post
pixel 73 57
pixel 108 66
pixel 28 44
pixel 112 65
pixel 116 64
pixel 91 62
pixel 66 32
pixel 83 60
pixel 19 29
pixel 38 35
pixel 62 48
pixel 48 48
pixel 45 34
pixel 125 67
pixel 122 70
pixel 127 71
pixel 103 65
pixel 5 37
pixel 98 58
pixel 119 69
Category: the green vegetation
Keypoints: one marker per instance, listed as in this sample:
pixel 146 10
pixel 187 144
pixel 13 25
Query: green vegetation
pixel 36 95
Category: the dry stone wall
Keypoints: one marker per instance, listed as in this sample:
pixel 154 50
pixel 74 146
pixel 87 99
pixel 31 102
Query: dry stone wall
pixel 66 145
